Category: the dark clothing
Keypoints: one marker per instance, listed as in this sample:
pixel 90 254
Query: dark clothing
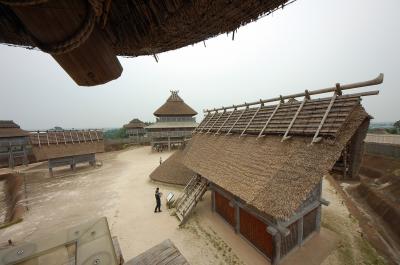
pixel 158 201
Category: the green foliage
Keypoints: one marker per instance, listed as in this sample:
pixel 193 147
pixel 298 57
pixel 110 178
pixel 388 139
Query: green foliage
pixel 115 134
pixel 393 130
pixel 397 124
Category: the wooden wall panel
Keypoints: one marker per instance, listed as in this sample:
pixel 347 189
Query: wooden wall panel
pixel 224 209
pixel 309 223
pixel 255 231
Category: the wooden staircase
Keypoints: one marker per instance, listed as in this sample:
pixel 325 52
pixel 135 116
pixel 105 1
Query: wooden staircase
pixel 192 193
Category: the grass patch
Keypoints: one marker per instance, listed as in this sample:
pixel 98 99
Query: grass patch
pixel 369 254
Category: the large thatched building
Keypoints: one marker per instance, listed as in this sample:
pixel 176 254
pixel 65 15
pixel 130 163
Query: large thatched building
pixel 67 147
pixel 174 124
pixel 264 163
pixel 85 36
pixel 13 143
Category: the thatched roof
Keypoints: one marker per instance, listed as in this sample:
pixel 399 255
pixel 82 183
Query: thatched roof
pixel 175 106
pixel 149 27
pixel 172 170
pixel 11 129
pixel 135 124
pixel 271 175
pixel 306 123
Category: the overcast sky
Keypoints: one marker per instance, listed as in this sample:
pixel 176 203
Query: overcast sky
pixel 311 44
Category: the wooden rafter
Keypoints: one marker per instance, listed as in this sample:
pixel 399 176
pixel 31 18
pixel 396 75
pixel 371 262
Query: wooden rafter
pixel 315 138
pixel 240 116
pixel 225 121
pixel 205 125
pixel 285 136
pixel 269 120
pixel 212 126
pixel 251 120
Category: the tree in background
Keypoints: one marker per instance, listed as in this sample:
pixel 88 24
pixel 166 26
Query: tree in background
pixel 397 124
pixel 115 133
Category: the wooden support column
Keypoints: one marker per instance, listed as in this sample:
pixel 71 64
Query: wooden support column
pixel 300 231
pixel 212 200
pixel 237 218
pixel 318 220
pixel 277 242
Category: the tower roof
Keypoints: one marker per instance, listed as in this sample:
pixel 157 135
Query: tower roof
pixel 175 106
pixel 135 124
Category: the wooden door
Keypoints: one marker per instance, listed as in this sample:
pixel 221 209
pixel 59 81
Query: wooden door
pixel 255 230
pixel 224 209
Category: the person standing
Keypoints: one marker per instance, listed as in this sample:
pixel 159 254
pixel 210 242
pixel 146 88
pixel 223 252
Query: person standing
pixel 160 160
pixel 158 200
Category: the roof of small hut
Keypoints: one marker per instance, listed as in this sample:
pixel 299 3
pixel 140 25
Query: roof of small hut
pixel 269 174
pixel 135 124
pixel 11 129
pixel 172 170
pixel 175 106
pixel 139 27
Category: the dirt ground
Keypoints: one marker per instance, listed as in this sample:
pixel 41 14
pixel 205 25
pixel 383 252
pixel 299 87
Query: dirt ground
pixel 121 190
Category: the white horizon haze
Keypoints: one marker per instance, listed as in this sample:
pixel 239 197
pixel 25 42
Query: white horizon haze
pixel 310 44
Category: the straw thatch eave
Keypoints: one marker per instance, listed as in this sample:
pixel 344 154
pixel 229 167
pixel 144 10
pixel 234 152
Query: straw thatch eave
pixel 142 27
pixel 175 106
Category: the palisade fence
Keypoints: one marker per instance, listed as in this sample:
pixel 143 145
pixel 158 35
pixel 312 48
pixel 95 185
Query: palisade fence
pixel 383 145
pixel 383 138
pixel 131 140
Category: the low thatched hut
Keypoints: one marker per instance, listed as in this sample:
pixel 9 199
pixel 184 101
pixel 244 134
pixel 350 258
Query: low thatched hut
pixel 172 170
pixel 264 163
pixel 174 124
pixel 13 143
pixel 85 36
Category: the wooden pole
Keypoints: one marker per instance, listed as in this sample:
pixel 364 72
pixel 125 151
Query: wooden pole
pixel 376 81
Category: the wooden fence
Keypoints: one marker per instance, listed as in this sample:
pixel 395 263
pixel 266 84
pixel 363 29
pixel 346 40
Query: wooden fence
pixel 383 138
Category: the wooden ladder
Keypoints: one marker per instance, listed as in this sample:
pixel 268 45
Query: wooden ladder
pixel 192 193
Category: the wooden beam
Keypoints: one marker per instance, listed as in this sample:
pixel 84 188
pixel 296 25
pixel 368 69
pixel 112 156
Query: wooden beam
pixel 201 130
pixel 219 117
pixel 269 120
pixel 314 140
pixel 252 118
pixel 376 81
pixel 225 121
pixel 240 116
pixel 285 137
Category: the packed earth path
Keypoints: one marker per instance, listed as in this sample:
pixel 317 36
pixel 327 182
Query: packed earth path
pixel 122 191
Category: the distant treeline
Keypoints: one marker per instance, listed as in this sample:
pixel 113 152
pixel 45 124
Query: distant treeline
pixel 119 133
pixel 385 128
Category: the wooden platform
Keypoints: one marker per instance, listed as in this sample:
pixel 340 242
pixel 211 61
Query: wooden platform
pixel 164 253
